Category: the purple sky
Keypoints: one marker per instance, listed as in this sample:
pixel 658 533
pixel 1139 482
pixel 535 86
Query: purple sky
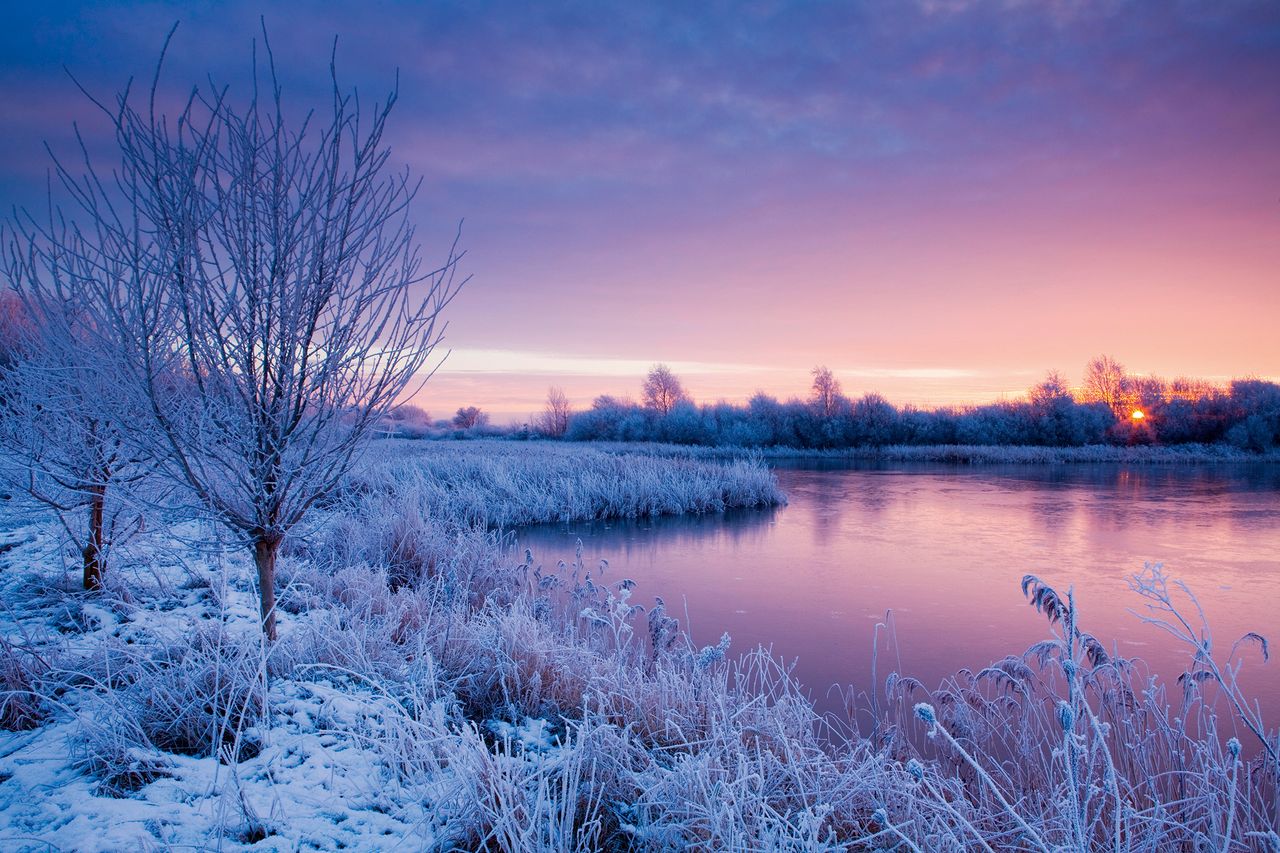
pixel 939 200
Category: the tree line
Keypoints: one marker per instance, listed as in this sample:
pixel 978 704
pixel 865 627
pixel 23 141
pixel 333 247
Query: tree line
pixel 1110 407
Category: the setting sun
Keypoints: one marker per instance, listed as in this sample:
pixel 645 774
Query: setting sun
pixel 1137 415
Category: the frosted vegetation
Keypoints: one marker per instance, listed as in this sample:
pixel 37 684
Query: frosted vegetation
pixel 1127 419
pixel 973 454
pixel 506 484
pixel 1243 415
pixel 430 684
pixel 1195 419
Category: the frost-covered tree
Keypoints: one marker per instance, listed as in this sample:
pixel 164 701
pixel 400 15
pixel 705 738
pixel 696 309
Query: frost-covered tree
pixel 470 417
pixel 1049 390
pixel 1104 382
pixel 873 420
pixel 272 305
pixel 662 390
pixel 1146 392
pixel 61 416
pixel 825 392
pixel 554 420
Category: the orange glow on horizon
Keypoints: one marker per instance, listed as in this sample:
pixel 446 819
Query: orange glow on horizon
pixel 1138 414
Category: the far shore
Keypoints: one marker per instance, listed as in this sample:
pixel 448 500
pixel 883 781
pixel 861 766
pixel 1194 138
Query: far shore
pixel 971 454
pixel 958 454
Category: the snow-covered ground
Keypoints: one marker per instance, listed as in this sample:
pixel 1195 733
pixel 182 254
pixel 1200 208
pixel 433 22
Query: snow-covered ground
pixel 315 782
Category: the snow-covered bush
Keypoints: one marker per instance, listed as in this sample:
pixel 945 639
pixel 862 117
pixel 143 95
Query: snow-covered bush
pixel 197 696
pixel 21 703
pixel 112 748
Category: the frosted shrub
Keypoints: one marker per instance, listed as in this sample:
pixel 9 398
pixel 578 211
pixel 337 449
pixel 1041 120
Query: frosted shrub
pixel 404 533
pixel 520 799
pixel 111 747
pixel 21 671
pixel 358 624
pixel 200 697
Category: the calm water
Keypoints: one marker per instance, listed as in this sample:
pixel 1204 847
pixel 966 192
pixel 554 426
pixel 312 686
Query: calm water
pixel 944 548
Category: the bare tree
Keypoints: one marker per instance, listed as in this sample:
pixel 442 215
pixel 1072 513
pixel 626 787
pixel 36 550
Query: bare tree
pixel 1146 393
pixel 1104 382
pixel 1052 387
pixel 662 390
pixel 825 393
pixel 272 305
pixel 415 414
pixel 554 420
pixel 470 417
pixel 60 419
pixel 1188 388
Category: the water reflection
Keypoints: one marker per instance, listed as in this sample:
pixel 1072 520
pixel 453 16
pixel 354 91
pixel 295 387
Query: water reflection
pixel 628 542
pixel 944 548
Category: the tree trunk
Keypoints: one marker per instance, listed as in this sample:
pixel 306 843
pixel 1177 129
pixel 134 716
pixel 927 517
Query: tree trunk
pixel 93 559
pixel 265 548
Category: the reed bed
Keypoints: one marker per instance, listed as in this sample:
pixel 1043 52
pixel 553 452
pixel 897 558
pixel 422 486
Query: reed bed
pixel 508 484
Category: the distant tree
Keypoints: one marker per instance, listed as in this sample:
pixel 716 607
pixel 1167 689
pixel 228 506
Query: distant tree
pixel 608 401
pixel 662 390
pixel 1253 396
pixel 1050 409
pixel 1052 388
pixel 1256 404
pixel 682 425
pixel 873 420
pixel 603 421
pixel 1148 393
pixel 1188 388
pixel 470 417
pixel 266 293
pixel 412 414
pixel 554 420
pixel 407 421
pixel 1179 422
pixel 730 425
pixel 825 392
pixel 1104 382
pixel 771 418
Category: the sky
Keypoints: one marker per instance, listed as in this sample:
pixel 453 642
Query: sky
pixel 938 200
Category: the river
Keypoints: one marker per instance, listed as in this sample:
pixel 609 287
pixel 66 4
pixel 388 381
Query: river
pixel 944 549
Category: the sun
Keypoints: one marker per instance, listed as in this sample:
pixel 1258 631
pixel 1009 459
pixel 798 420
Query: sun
pixel 1138 414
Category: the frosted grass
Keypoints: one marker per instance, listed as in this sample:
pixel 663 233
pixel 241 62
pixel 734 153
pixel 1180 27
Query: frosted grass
pixel 509 484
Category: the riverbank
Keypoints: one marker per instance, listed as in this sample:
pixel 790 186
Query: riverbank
pixel 433 689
